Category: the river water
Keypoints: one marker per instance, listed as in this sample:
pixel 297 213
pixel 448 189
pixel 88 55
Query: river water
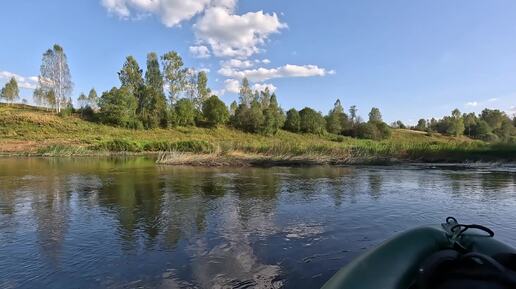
pixel 128 223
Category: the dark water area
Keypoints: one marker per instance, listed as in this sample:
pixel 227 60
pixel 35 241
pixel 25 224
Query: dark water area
pixel 128 223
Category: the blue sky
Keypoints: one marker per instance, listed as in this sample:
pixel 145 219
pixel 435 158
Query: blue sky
pixel 411 59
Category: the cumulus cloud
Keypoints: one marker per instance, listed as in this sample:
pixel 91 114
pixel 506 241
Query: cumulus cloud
pixel 262 74
pixel 200 51
pixel 23 82
pixel 231 85
pixel 237 63
pixel 231 35
pixel 472 103
pixel 171 12
pixel 263 86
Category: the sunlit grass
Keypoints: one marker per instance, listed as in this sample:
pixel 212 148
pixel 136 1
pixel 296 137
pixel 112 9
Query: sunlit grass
pixel 55 135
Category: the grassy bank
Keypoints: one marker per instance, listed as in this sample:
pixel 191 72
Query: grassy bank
pixel 29 131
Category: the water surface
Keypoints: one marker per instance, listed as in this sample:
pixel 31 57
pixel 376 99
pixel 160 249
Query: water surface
pixel 127 223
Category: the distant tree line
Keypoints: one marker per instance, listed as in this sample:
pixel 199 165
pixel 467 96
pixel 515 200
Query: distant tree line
pixel 490 125
pixel 168 94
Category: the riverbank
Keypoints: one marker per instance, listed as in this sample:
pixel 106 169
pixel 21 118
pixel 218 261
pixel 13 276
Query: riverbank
pixel 26 131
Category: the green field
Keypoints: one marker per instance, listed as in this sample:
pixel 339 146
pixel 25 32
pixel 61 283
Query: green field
pixel 26 130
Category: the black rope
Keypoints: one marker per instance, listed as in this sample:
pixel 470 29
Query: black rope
pixel 463 228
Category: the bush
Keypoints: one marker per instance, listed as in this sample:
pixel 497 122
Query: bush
pixel 185 112
pixel 118 107
pixel 373 130
pixel 193 146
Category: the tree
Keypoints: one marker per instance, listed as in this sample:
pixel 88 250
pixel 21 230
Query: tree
pixel 185 112
pixel 273 117
pixel 203 92
pixel 215 111
pixel 55 81
pixel 398 124
pixel 118 107
pixel 249 118
pixel 82 100
pixel 375 115
pixel 353 114
pixel 336 119
pixel 93 99
pixel 311 121
pixel 293 121
pixel 233 108
pixel 10 92
pixel 152 106
pixel 174 74
pixel 421 125
pixel 131 76
pixel 493 117
pixel 455 124
pixel 246 93
pixel 470 121
pixel 265 97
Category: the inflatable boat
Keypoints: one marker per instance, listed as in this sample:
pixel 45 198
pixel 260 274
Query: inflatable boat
pixel 413 259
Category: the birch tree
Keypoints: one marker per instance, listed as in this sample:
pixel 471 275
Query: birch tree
pixel 175 75
pixel 10 92
pixel 55 81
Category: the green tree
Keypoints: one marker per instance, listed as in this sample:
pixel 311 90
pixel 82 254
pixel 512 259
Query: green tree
pixel 311 121
pixel 174 74
pixel 185 112
pixel 93 99
pixel 273 116
pixel 353 114
pixel 375 115
pixel 455 124
pixel 118 107
pixel 215 111
pixel 421 125
pixel 246 93
pixel 249 118
pixel 152 105
pixel 10 92
pixel 203 92
pixel 336 119
pixel 470 121
pixel 293 121
pixel 233 108
pixel 493 117
pixel 131 76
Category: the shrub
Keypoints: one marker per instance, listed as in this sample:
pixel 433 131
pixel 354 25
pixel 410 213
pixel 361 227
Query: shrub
pixel 119 145
pixel 311 121
pixel 215 111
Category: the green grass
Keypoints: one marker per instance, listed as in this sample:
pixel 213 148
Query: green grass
pixel 28 130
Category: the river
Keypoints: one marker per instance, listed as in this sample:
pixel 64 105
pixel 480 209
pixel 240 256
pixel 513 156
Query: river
pixel 128 223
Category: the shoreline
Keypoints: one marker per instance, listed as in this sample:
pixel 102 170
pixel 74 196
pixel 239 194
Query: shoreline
pixel 240 159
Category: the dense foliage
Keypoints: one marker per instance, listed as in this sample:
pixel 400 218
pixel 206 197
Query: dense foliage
pixel 168 94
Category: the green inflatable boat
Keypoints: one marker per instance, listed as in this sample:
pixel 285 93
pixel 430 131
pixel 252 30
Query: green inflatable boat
pixel 399 263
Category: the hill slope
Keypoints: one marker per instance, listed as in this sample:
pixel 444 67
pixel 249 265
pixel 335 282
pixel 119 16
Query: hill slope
pixel 29 130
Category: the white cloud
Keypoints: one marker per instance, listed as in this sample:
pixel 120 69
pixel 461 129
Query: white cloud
pixel 231 85
pixel 23 82
pixel 262 74
pixel 266 61
pixel 472 103
pixel 263 86
pixel 231 35
pixel 200 51
pixel 171 12
pixel 237 63
pixel 492 99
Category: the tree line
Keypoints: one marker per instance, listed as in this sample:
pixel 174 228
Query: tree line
pixel 168 94
pixel 490 125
